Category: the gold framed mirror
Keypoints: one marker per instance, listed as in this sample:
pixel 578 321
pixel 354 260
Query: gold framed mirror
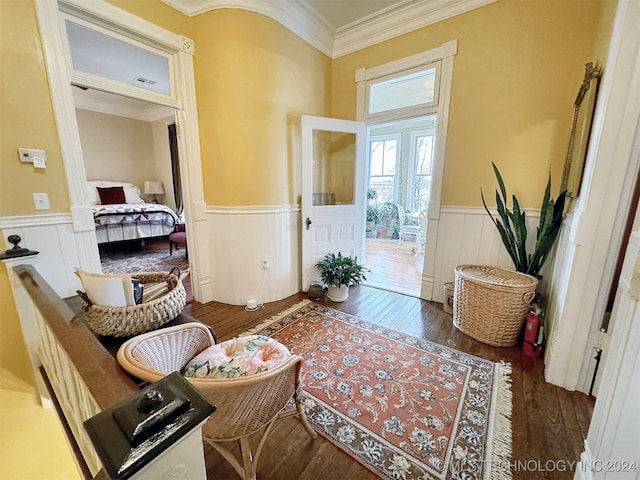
pixel 581 121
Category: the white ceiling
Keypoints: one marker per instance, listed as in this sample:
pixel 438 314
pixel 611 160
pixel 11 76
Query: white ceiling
pixel 340 13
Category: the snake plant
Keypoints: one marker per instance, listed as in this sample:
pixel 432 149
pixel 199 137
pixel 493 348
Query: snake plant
pixel 513 229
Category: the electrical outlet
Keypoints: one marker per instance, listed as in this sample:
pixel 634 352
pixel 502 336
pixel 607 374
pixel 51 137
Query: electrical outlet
pixel 41 201
pixel 265 264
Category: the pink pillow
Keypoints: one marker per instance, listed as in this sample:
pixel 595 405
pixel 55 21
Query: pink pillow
pixel 238 357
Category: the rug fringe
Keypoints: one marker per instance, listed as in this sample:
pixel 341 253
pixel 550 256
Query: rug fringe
pixel 500 437
pixel 275 318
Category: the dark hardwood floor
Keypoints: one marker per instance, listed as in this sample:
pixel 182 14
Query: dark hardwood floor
pixel 549 423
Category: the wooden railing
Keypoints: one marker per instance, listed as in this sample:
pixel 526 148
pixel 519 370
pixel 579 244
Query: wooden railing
pixel 84 377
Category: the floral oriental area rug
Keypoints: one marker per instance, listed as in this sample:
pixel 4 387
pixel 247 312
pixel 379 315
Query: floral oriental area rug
pixel 404 407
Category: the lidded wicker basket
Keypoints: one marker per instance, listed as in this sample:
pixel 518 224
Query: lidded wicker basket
pixel 136 319
pixel 491 303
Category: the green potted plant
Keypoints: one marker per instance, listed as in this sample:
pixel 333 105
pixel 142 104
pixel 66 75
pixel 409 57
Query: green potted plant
pixel 389 216
pixel 396 231
pixel 338 273
pixel 513 229
pixel 373 218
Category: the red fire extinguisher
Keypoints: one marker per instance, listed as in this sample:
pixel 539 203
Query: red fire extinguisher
pixel 533 334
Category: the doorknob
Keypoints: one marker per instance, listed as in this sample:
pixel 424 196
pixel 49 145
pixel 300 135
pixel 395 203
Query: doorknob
pixel 308 222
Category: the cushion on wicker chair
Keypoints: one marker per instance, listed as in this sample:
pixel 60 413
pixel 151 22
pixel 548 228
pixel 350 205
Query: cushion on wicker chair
pixel 239 357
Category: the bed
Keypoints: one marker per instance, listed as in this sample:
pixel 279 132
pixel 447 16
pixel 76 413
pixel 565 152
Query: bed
pixel 120 213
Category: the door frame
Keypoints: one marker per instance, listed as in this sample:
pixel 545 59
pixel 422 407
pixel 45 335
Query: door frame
pixel 183 99
pixel 445 54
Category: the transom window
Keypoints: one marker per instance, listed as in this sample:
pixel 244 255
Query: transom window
pixel 106 56
pixel 417 87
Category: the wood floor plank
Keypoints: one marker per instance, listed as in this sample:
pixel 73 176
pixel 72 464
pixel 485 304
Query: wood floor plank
pixel 393 265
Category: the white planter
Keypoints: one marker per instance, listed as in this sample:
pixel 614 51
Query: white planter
pixel 338 294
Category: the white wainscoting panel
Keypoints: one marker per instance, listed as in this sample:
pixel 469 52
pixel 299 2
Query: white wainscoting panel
pixel 466 235
pixel 53 236
pixel 241 238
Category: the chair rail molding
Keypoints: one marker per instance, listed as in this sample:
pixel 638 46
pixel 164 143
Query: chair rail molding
pixel 20 221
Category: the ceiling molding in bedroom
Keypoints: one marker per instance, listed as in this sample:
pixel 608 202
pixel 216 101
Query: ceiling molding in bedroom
pixel 310 25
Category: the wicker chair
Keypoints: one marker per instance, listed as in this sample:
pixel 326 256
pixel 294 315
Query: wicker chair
pixel 245 405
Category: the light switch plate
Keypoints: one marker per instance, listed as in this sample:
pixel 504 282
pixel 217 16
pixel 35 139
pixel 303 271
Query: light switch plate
pixel 41 201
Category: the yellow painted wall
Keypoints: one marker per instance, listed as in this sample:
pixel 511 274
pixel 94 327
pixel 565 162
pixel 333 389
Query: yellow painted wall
pixel 516 74
pixel 26 120
pixel 158 13
pixel 254 78
pixel 26 115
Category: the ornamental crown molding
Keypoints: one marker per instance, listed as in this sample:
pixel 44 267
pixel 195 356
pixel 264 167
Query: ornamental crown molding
pixel 312 27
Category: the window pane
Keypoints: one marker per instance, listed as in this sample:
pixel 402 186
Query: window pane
pixel 376 157
pixel 421 192
pixel 413 89
pixel 383 187
pixel 424 155
pixel 333 168
pixel 383 156
pixel 390 156
pixel 99 54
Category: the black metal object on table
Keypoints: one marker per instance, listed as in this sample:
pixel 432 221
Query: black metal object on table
pixel 132 433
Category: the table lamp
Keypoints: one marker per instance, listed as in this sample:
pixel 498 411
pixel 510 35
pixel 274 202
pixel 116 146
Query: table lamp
pixel 153 188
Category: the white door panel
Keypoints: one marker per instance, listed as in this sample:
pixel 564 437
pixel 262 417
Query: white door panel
pixel 333 193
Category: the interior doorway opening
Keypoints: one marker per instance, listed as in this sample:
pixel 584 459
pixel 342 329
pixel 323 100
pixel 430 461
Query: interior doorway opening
pixel 400 163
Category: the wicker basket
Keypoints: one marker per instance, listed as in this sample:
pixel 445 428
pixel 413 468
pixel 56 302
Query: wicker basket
pixel 491 303
pixel 135 319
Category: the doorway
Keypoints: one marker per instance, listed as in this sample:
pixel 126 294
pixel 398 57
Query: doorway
pixel 414 87
pixel 400 160
pixel 176 54
pixel 127 142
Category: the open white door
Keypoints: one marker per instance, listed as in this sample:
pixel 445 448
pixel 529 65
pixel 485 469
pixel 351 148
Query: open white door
pixel 333 154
